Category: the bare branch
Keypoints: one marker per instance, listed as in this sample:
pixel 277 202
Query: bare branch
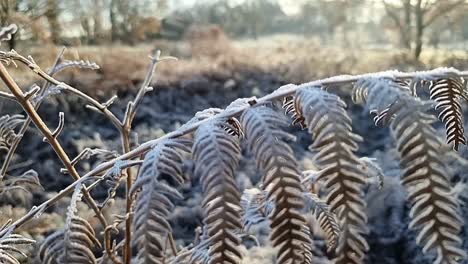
pixel 60 125
pixel 440 9
pixel 32 92
pixel 393 13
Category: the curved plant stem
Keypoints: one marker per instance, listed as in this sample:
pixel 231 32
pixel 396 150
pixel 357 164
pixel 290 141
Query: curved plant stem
pixel 126 129
pixel 125 136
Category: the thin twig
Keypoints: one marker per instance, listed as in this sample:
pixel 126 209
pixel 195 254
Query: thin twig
pixel 127 122
pixel 27 122
pixel 53 142
pixel 60 125
pixel 108 245
pixel 125 137
pixel 103 108
pixel 124 126
pixel 145 87
pixel 8 96
pixel 13 55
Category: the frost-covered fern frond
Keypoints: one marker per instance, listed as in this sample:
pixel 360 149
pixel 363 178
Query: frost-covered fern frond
pixel 447 93
pixel 330 126
pixel 9 247
pixel 19 189
pixel 159 175
pixel 27 181
pixel 216 154
pixel 373 171
pixel 281 181
pixel 291 108
pixel 434 211
pixel 74 244
pixel 326 218
pixel 307 255
pixel 255 208
pixel 380 101
pixel 195 254
pixel 7 129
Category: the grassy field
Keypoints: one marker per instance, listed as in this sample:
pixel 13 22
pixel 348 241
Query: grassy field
pixel 292 59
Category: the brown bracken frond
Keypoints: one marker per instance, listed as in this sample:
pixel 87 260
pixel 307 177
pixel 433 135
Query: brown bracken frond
pixel 330 126
pixel 434 211
pixel 291 108
pixel 281 181
pixel 216 152
pixel 159 175
pixel 447 94
pixel 326 218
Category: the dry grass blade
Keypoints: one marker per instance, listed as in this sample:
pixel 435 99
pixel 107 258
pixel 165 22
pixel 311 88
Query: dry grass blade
pixel 330 126
pixel 159 175
pixel 281 181
pixel 74 244
pixel 216 154
pixel 447 94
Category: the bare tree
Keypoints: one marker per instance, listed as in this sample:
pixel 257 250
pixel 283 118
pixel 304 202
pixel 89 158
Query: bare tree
pixel 113 20
pixel 52 13
pixel 417 14
pixel 128 16
pixel 90 16
pixel 403 24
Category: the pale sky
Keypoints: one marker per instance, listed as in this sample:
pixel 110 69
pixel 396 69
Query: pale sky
pixel 290 7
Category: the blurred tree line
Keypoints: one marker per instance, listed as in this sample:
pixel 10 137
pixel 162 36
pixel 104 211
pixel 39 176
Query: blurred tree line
pixel 409 24
pixel 83 21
